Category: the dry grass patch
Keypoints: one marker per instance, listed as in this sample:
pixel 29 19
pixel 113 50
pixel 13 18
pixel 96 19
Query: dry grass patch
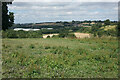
pixel 82 35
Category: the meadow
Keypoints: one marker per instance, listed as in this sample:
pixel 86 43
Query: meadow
pixel 60 58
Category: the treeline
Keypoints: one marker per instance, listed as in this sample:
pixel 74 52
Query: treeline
pixel 21 34
pixel 95 29
pixel 60 24
pixel 36 34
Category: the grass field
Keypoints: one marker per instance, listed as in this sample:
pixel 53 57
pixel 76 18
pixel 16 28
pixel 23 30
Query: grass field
pixel 68 58
pixel 109 27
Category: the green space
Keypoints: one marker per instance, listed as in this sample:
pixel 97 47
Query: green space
pixel 60 58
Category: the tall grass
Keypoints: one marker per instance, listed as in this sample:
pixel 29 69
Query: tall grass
pixel 66 58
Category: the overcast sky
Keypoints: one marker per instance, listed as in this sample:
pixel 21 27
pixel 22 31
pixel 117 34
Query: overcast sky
pixel 34 12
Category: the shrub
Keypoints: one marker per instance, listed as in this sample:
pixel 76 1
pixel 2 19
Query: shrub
pixel 21 34
pixel 71 36
pixel 32 46
pixel 47 47
pixel 62 35
pixel 55 36
pixel 19 46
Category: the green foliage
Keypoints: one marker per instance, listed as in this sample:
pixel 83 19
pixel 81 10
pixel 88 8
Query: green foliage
pixel 96 30
pixel 96 27
pixel 63 35
pixel 21 34
pixel 11 18
pixel 107 22
pixel 48 36
pixel 32 46
pixel 60 58
pixel 71 36
pixel 66 35
pixel 7 19
pixel 9 34
pixel 84 29
pixel 55 36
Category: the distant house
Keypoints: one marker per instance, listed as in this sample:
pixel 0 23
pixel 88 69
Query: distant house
pixel 18 29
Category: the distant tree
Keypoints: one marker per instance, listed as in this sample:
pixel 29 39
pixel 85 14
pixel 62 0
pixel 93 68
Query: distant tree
pixel 107 22
pixel 99 21
pixel 73 21
pixel 63 34
pixel 7 19
pixel 66 23
pixel 57 22
pixel 11 18
pixel 71 36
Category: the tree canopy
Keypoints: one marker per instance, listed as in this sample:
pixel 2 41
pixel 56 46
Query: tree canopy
pixel 107 22
pixel 7 18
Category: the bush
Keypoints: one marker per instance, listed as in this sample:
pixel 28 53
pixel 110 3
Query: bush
pixel 9 34
pixel 55 36
pixel 32 46
pixel 71 36
pixel 62 35
pixel 21 34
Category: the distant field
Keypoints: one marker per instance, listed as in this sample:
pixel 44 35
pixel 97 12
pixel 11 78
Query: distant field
pixel 77 34
pixel 68 58
pixel 82 35
pixel 109 27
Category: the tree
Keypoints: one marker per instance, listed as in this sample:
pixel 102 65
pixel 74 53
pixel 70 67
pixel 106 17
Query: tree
pixel 7 19
pixel 11 18
pixel 73 21
pixel 107 22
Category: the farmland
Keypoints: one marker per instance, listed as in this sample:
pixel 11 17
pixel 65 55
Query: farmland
pixel 109 27
pixel 55 58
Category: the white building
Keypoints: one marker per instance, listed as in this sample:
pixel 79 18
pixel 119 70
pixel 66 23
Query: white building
pixel 47 28
pixel 18 29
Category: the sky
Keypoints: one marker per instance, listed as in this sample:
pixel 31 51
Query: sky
pixel 40 11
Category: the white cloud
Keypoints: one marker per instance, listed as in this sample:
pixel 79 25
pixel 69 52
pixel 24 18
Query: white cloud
pixel 96 12
pixel 40 12
pixel 115 8
pixel 69 12
pixel 55 7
